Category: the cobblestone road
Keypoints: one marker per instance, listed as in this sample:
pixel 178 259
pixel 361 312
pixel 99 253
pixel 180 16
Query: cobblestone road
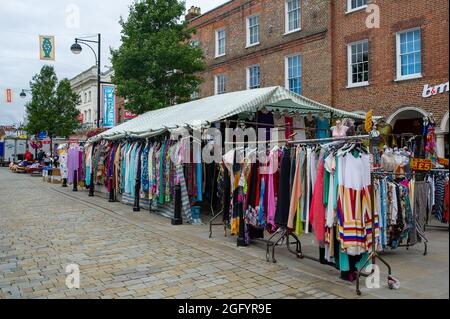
pixel 121 254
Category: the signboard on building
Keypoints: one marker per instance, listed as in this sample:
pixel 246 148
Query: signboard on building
pixel 420 164
pixel 128 115
pixel 429 91
pixel 108 105
pixel 47 47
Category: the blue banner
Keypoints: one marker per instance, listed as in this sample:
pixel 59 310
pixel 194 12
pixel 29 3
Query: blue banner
pixel 42 135
pixel 108 104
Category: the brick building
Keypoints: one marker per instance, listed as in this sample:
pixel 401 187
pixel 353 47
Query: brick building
pixel 401 59
pixel 326 51
pixel 260 43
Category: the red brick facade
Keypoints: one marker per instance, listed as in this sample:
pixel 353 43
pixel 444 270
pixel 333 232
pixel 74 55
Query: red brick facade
pixel 311 42
pixel 384 94
pixel 326 30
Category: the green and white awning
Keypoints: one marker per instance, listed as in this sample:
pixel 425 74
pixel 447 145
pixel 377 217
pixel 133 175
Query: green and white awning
pixel 216 108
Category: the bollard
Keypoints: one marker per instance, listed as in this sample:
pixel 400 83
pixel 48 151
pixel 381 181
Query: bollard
pixel 137 186
pixel 137 190
pixel 177 220
pixel 75 181
pixel 241 238
pixel 91 186
pixel 64 182
pixel 111 190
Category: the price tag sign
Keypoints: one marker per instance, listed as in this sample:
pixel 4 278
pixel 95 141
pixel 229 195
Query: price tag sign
pixel 443 161
pixel 419 164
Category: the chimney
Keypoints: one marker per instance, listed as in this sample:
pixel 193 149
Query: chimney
pixel 193 12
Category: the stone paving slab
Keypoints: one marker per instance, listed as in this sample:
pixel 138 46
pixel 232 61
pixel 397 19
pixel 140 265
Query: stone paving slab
pixel 132 255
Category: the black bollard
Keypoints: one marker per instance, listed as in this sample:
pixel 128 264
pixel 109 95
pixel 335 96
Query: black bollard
pixel 91 186
pixel 64 184
pixel 137 186
pixel 75 181
pixel 177 220
pixel 241 238
pixel 111 191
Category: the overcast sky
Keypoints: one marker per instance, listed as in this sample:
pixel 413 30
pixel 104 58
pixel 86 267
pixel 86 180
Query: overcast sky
pixel 21 23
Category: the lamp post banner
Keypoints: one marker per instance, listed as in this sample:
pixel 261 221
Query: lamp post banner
pixel 47 47
pixel 108 105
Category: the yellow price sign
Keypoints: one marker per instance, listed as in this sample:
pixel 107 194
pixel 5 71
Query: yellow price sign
pixel 419 164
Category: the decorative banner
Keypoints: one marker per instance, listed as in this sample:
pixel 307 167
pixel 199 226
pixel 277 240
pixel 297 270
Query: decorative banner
pixel 108 105
pixel 419 164
pixel 368 123
pixel 47 47
pixel 128 115
pixel 9 96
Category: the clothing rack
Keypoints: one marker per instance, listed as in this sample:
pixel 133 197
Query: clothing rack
pixel 284 235
pixel 427 225
pixel 419 231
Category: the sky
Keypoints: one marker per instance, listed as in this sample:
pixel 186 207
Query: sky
pixel 21 23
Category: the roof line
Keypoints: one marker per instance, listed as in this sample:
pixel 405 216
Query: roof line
pixel 212 10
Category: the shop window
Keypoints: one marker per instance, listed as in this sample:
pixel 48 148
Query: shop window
pixel 353 5
pixel 253 30
pixel 409 63
pixel 253 77
pixel 294 74
pixel 358 64
pixel 293 15
pixel 220 42
pixel 220 84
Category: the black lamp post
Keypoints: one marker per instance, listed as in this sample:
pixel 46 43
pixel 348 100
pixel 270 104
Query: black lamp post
pixel 76 49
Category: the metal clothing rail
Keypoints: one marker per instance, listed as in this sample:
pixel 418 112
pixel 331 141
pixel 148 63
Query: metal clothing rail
pixel 420 233
pixel 285 235
pixel 427 225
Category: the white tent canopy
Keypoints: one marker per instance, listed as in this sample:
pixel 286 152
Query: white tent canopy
pixel 216 108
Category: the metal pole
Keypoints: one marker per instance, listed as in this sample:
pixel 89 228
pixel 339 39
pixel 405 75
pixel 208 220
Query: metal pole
pixel 177 220
pixel 98 80
pixel 75 181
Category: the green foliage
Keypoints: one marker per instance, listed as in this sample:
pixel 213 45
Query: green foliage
pixel 53 105
pixel 154 41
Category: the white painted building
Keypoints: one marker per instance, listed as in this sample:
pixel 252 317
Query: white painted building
pixel 85 84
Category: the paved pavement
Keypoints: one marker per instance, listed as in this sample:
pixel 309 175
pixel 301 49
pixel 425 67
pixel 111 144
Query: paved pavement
pixel 121 254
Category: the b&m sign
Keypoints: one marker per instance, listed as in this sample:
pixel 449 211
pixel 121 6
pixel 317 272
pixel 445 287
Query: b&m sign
pixel 419 164
pixel 109 99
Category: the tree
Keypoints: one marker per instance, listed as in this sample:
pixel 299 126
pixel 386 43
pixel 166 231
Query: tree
pixel 154 42
pixel 53 106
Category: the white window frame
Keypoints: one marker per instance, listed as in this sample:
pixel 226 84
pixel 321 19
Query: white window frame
pixel 216 84
pixel 350 9
pixel 248 44
pixel 286 70
pixel 248 75
pixel 286 18
pixel 399 76
pixel 350 83
pixel 218 55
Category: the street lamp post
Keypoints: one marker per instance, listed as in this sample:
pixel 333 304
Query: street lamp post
pixel 23 94
pixel 76 49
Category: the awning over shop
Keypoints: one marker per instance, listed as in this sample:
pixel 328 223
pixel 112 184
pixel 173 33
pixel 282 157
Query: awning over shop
pixel 216 108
